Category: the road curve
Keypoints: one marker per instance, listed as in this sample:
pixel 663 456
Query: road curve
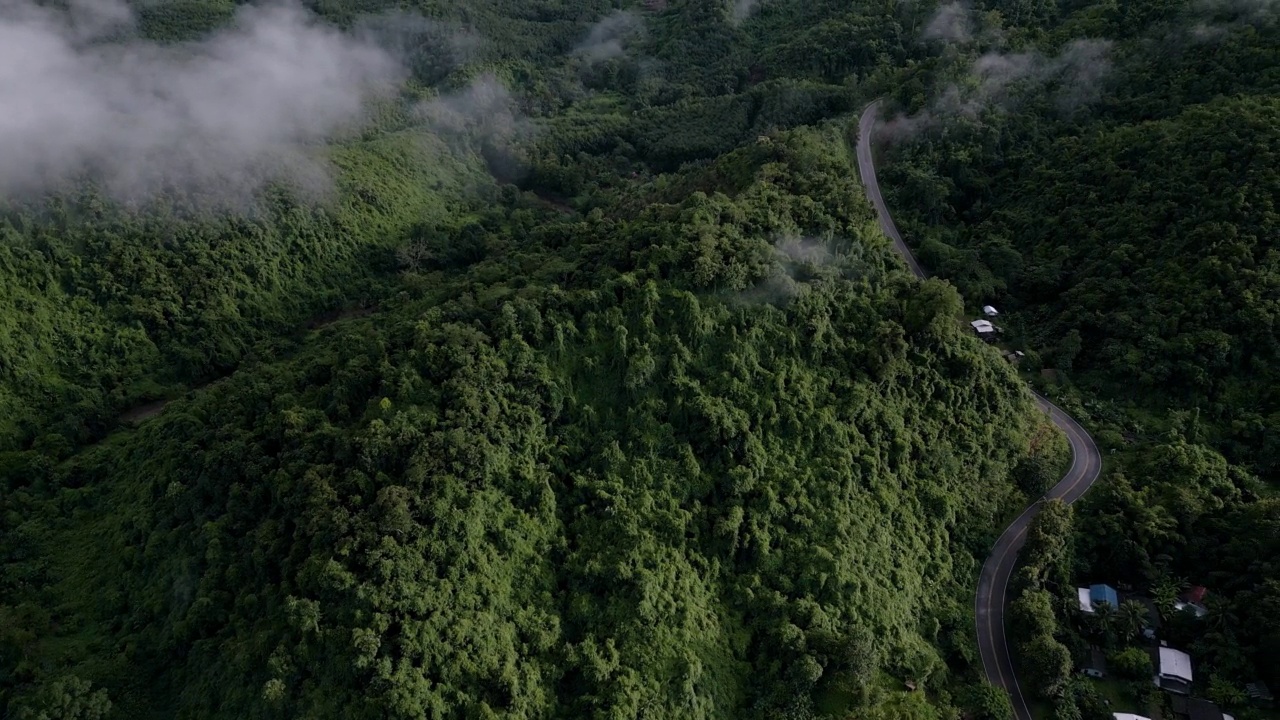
pixel 1086 466
pixel 867 169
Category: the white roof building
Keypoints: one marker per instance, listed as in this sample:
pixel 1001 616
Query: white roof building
pixel 983 326
pixel 1086 602
pixel 1127 716
pixel 1175 665
pixel 990 311
pixel 1196 608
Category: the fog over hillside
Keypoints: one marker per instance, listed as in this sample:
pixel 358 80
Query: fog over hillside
pixel 218 116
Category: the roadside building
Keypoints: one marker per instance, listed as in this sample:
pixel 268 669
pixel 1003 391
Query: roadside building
pixel 1193 600
pixel 1174 670
pixel 985 329
pixel 1151 630
pixel 1259 693
pixel 1101 593
pixel 1096 667
pixel 1189 708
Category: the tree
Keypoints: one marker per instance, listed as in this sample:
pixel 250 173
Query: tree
pixel 1068 349
pixel 856 660
pixel 1066 708
pixel 64 698
pixel 1224 692
pixel 1131 664
pixel 1031 614
pixel 1165 591
pixel 1048 664
pixel 1035 474
pixel 1088 701
pixel 984 701
pixel 1133 618
pixel 1048 548
pixel 1104 622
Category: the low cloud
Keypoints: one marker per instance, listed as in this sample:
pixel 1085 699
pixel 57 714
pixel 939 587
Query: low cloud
pixel 482 116
pixel 607 38
pixel 1217 19
pixel 800 261
pixel 219 117
pixel 803 251
pixel 430 49
pixel 1080 72
pixel 483 109
pixel 950 24
pixel 1074 76
pixel 1205 32
pixel 741 9
pixel 1248 10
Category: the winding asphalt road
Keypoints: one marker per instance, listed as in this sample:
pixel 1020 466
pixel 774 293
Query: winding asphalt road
pixel 1086 465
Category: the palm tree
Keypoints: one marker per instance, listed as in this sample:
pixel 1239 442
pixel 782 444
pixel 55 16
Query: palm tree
pixel 1132 616
pixel 1165 590
pixel 1106 615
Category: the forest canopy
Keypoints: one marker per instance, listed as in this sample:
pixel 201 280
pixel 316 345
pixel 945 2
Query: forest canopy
pixel 581 382
pixel 1128 234
pixel 736 463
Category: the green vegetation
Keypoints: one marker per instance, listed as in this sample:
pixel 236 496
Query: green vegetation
pixel 668 483
pixel 113 308
pixel 592 390
pixel 1117 202
pixel 640 415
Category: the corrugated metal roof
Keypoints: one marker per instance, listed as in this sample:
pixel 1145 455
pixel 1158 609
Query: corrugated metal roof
pixel 1175 664
pixel 1104 593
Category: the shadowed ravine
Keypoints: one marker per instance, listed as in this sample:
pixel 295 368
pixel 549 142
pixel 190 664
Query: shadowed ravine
pixel 1086 465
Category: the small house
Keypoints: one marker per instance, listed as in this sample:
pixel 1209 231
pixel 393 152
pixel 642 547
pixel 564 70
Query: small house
pixel 1189 708
pixel 1151 629
pixel 1193 600
pixel 1259 692
pixel 989 311
pixel 1096 666
pixel 985 329
pixel 1175 671
pixel 1128 716
pixel 1101 593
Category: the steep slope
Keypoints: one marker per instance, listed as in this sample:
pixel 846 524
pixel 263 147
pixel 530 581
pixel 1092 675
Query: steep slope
pixel 1128 234
pixel 113 307
pixel 991 597
pixel 1137 254
pixel 727 473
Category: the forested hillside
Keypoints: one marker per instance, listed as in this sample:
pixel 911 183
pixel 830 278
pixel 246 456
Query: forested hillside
pixel 115 308
pixel 1119 205
pixel 1135 231
pixel 573 379
pixel 742 466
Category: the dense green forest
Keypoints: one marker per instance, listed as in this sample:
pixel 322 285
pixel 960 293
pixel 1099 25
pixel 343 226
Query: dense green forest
pixel 1129 234
pixel 722 471
pixel 591 390
pixel 115 308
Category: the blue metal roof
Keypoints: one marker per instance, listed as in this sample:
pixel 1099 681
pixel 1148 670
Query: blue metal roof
pixel 1104 593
